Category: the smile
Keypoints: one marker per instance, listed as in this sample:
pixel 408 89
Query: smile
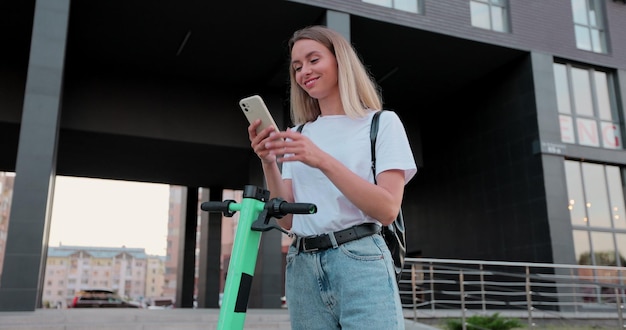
pixel 310 82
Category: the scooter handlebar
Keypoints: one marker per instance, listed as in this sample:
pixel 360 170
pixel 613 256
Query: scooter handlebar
pixel 297 208
pixel 223 207
pixel 277 207
pixel 215 206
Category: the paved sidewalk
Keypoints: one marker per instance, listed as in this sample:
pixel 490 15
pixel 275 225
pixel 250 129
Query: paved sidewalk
pixel 144 319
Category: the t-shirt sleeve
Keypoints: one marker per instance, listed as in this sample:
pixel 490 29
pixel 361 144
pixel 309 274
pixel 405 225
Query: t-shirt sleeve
pixel 393 151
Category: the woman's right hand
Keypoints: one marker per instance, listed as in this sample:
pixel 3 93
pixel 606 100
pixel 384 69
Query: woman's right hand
pixel 257 141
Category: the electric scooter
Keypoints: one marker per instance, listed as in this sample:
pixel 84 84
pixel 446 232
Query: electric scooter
pixel 256 213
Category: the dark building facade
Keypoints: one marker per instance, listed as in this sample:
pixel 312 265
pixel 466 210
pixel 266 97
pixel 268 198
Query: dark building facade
pixel 514 108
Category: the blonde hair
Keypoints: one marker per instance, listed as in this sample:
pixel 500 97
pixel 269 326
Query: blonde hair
pixel 357 88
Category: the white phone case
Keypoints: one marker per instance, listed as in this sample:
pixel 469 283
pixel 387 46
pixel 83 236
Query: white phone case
pixel 254 108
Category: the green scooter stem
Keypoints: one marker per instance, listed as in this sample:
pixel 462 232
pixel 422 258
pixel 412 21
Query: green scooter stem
pixel 256 213
pixel 241 267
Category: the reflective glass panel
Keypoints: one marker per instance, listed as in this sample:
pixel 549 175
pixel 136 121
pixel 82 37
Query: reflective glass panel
pixel 567 129
pixel 602 95
pixel 603 248
pixel 562 89
pixel 582 250
pixel 582 92
pixel 579 10
pixel 620 239
pixel 575 195
pixel 595 13
pixel 498 15
pixel 581 247
pixel 616 196
pixel 480 15
pixel 610 135
pixel 406 5
pixel 384 3
pixel 587 130
pixel 583 40
pixel 597 41
pixel 596 203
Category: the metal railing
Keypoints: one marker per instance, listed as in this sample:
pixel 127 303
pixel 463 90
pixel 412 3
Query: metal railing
pixel 471 287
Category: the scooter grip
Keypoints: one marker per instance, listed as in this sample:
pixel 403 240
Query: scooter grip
pixel 297 208
pixel 216 206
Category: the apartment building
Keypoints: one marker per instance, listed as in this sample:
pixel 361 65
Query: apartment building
pixel 175 214
pixel 155 279
pixel 128 271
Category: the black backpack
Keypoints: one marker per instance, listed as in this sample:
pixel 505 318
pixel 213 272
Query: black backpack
pixel 395 233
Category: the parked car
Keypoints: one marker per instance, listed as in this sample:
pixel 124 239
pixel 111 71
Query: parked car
pixel 161 304
pixel 100 299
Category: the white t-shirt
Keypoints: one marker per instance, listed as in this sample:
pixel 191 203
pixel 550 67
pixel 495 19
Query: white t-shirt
pixel 347 140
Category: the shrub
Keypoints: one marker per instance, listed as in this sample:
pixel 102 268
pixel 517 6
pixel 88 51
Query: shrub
pixel 486 322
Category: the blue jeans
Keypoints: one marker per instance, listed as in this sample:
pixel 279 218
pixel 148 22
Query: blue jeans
pixel 352 286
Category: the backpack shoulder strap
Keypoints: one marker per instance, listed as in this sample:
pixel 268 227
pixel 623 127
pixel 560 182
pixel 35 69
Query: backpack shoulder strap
pixel 373 135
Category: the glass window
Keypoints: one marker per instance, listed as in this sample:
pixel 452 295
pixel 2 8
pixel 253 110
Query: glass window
pixel 480 15
pixel 602 92
pixel 579 11
pixel 567 129
pixel 562 90
pixel 587 107
pixel 490 15
pixel 384 3
pixel 603 249
pixel 582 92
pixel 406 5
pixel 587 132
pixel 611 136
pixel 596 205
pixel 616 197
pixel 595 15
pixel 589 25
pixel 620 239
pixel 576 199
pixel 412 6
pixel 581 246
pixel 498 18
pixel 583 39
pixel 596 199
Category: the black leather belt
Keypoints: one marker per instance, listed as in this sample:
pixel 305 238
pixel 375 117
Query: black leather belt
pixel 324 241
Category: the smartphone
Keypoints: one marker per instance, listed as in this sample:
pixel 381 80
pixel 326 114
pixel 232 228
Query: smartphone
pixel 254 108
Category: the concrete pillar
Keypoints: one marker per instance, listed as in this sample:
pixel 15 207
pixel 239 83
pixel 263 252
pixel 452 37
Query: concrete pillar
pixel 187 250
pixel 210 250
pixel 27 237
pixel 553 170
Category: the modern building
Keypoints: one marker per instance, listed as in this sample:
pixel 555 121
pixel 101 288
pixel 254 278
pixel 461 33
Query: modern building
pixel 172 249
pixel 155 279
pixel 514 109
pixel 70 269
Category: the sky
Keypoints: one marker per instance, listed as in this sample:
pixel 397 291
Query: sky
pixel 110 213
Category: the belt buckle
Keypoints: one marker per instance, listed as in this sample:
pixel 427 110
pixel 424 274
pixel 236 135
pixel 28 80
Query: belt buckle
pixel 304 248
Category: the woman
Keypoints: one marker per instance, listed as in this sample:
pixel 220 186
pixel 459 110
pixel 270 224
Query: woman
pixel 339 271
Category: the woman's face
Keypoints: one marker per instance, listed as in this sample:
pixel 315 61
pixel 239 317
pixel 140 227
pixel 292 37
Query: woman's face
pixel 315 69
